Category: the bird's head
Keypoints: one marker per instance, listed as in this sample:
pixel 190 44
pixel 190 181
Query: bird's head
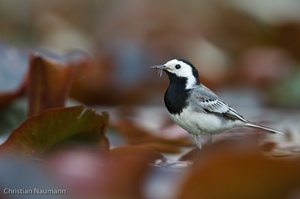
pixel 180 69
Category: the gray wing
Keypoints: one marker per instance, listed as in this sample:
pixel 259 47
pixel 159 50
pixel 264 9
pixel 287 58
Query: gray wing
pixel 204 100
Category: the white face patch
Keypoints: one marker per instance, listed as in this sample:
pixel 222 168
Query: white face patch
pixel 182 69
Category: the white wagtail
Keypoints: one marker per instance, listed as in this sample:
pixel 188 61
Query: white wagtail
pixel 196 108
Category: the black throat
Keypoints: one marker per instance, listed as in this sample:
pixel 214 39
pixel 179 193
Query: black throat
pixel 176 95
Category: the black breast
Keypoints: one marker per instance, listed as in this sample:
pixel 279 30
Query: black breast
pixel 176 94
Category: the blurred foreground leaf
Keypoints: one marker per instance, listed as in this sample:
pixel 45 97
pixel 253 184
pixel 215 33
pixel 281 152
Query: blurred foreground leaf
pixel 58 127
pixel 235 169
pixel 49 83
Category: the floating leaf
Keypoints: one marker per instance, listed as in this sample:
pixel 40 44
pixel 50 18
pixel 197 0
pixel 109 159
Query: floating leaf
pixel 161 147
pixel 191 155
pixel 142 152
pixel 235 169
pixel 135 134
pixel 56 127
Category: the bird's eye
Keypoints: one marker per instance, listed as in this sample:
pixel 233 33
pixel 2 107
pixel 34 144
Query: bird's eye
pixel 177 66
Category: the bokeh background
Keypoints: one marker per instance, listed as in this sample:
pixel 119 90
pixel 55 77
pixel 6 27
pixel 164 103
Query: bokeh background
pixel 246 51
pixel 232 42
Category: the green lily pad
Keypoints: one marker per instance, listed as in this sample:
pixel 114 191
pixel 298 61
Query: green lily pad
pixel 58 127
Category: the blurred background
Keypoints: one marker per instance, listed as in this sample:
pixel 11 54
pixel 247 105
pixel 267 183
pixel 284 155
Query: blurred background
pixel 254 44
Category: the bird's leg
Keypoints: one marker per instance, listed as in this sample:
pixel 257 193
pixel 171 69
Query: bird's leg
pixel 209 139
pixel 197 140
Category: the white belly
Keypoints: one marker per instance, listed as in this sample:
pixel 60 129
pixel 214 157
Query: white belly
pixel 201 123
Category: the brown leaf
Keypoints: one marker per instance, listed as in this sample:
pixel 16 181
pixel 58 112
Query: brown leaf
pixel 192 155
pixel 129 165
pixel 268 146
pixel 49 83
pixel 136 151
pixel 7 97
pixel 161 147
pixel 137 135
pixel 92 82
pixel 235 170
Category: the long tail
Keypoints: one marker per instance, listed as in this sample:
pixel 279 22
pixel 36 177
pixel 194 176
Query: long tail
pixel 264 128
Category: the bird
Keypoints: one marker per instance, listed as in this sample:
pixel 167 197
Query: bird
pixel 196 108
